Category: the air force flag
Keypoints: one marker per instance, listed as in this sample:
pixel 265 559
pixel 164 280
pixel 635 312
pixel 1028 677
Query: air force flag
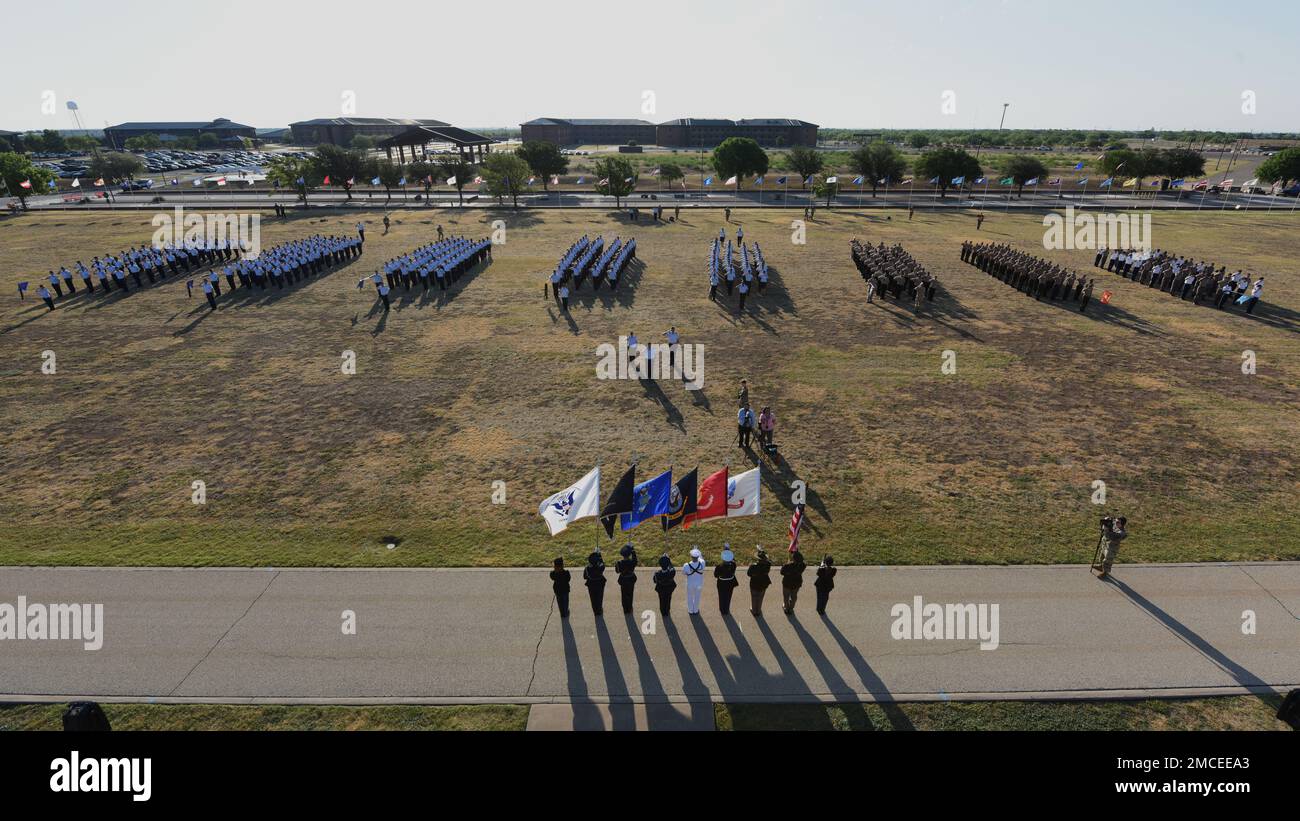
pixel 649 499
pixel 578 501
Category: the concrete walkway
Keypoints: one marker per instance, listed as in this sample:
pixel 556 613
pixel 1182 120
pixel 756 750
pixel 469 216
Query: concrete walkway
pixel 478 636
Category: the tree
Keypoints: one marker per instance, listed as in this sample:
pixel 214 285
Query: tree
pixel 389 174
pixel 1122 159
pixel 361 142
pixel 918 140
pixel 16 169
pixel 671 173
pixel 208 140
pixel 827 189
pixel 85 144
pixel 1182 163
pixel 878 161
pixel 115 166
pixel 455 168
pixel 144 142
pixel 49 140
pixel 423 171
pixel 739 157
pixel 293 172
pixel 1021 169
pixel 186 143
pixel 1283 167
pixel 544 159
pixel 947 164
pixel 619 179
pixel 805 162
pixel 506 175
pixel 341 165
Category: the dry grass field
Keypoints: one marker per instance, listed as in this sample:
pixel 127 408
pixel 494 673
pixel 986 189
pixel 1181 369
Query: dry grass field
pixel 307 466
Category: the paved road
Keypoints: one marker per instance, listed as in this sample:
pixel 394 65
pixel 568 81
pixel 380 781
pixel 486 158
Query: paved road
pixel 250 635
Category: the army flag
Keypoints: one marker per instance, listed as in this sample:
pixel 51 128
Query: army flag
pixel 577 501
pixel 742 494
pixel 682 500
pixel 649 499
pixel 712 500
pixel 620 501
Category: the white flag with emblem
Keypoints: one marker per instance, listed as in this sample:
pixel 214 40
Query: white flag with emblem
pixel 578 501
pixel 742 494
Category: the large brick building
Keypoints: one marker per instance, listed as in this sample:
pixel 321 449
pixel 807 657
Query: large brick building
pixel 224 129
pixel 692 132
pixel 341 130
pixel 564 131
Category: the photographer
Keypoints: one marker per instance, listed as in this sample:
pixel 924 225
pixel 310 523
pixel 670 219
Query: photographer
pixel 1112 533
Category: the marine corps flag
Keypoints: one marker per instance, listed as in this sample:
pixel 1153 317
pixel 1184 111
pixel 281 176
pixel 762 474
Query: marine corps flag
pixel 620 501
pixel 712 502
pixel 682 500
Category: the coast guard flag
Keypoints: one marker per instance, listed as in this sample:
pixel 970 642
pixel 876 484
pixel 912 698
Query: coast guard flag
pixel 742 494
pixel 649 499
pixel 578 501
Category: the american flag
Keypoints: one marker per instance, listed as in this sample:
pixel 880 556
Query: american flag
pixel 796 522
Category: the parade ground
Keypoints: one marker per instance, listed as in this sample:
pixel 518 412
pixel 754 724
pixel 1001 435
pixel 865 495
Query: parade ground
pixel 467 409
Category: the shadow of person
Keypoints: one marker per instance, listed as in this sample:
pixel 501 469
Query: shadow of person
pixel 585 714
pixel 693 686
pixel 671 412
pixel 870 681
pixel 717 664
pixel 791 683
pixel 854 711
pixel 621 710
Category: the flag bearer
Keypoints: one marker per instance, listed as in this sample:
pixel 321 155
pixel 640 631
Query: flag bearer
pixel 560 584
pixel 665 584
pixel 694 573
pixel 626 570
pixel 593 575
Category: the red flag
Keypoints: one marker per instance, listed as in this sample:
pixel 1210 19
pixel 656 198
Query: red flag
pixel 796 522
pixel 327 179
pixel 25 184
pixel 712 500
pixel 1105 297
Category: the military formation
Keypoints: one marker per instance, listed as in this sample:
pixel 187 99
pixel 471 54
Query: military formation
pixel 282 266
pixel 438 265
pixel 1186 278
pixel 891 272
pixel 742 275
pixel 589 259
pixel 1029 274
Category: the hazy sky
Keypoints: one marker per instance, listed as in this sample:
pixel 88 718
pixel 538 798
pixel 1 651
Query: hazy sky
pixel 1114 64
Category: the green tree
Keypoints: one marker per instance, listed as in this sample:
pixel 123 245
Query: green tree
pixel 878 161
pixel 186 143
pixel 15 169
pixel 827 189
pixel 918 140
pixel 49 140
pixel 1112 163
pixel 947 164
pixel 208 140
pixel 362 142
pixel 805 162
pixel 506 175
pixel 85 144
pixel 671 173
pixel 342 165
pixel 144 142
pixel 1183 163
pixel 389 174
pixel 424 172
pixel 455 168
pixel 293 172
pixel 115 166
pixel 1283 167
pixel 619 178
pixel 544 159
pixel 1021 169
pixel 739 157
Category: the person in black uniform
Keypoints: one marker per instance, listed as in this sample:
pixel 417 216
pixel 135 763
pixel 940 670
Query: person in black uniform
pixel 825 583
pixel 593 575
pixel 725 574
pixel 665 584
pixel 560 584
pixel 791 581
pixel 759 580
pixel 626 570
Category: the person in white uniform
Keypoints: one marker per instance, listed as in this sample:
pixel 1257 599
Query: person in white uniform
pixel 694 573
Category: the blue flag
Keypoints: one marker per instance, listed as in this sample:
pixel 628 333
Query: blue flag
pixel 1083 181
pixel 758 180
pixel 708 180
pixel 375 181
pixel 781 180
pixel 979 180
pixel 958 180
pixel 857 181
pixel 649 499
pixel 1106 182
pixel 1079 167
pixel 402 181
pixel 808 181
pixel 934 180
pixel 52 185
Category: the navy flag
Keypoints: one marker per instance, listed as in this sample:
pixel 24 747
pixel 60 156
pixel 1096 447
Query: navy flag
pixel 682 500
pixel 620 501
